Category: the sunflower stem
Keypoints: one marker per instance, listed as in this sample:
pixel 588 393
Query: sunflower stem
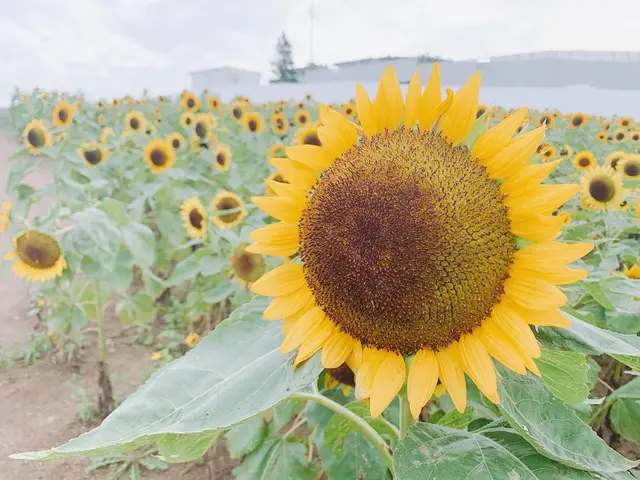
pixel 102 340
pixel 106 402
pixel 360 423
pixel 405 414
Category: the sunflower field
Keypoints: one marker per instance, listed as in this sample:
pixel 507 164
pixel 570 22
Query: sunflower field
pixel 408 285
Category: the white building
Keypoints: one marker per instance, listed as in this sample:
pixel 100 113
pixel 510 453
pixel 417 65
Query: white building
pixel 214 78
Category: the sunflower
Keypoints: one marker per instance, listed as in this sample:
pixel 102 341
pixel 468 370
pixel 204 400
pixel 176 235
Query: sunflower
pixel 213 103
pixel 188 101
pixel 222 158
pixel 620 135
pixel 279 124
pixel 4 216
pixel 546 119
pixel 343 374
pixel 615 158
pixel 308 136
pixel 481 110
pixel 105 133
pixel 302 117
pixel 276 150
pixel 102 119
pixel 191 340
pixel 159 155
pixel 176 140
pixel 63 115
pixel 38 256
pixel 187 119
pixel 632 273
pixel 548 153
pixel 602 137
pixel 201 128
pixel 565 151
pixel 634 136
pixel 92 153
pixel 602 188
pixel 348 110
pixel 100 104
pixel 194 218
pixel 237 110
pixel 36 136
pixel 253 122
pixel 584 160
pixel 625 122
pixel 446 283
pixel 275 177
pixel 227 201
pixel 630 167
pixel 247 267
pixel 150 130
pixel 210 118
pixel 135 121
pixel 578 120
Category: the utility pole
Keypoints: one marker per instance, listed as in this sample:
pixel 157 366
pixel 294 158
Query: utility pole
pixel 311 20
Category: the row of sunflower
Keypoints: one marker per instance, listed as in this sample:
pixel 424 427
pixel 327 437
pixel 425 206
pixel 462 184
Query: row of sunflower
pixel 414 241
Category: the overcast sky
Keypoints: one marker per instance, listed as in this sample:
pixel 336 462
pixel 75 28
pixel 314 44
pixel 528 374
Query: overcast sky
pixel 108 47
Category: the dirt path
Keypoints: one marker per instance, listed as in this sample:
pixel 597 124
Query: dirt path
pixel 36 409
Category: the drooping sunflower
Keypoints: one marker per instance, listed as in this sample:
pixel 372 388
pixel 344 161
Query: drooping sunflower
pixel 602 188
pixel 213 103
pixel 578 120
pixel 187 119
pixel 159 155
pixel 194 218
pixel 237 110
pixel 565 151
pixel 38 256
pixel 227 201
pixel 275 177
pixel 92 153
pixel 247 267
pixel 135 121
pixel 253 122
pixel 546 119
pixel 302 117
pixel 189 101
pixel 36 136
pixel 222 158
pixel 279 124
pixel 584 160
pixel 620 135
pixel 625 122
pixel 308 136
pixel 4 216
pixel 446 284
pixel 63 115
pixel 176 140
pixel 630 167
pixel 615 158
pixel 276 150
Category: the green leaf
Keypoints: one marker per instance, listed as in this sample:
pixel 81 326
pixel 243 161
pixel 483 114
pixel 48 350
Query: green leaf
pixel 276 459
pixel 171 227
pixel 284 412
pixel 152 283
pixel 245 437
pixel 552 427
pixel 630 390
pixel 140 241
pixel 565 373
pixel 431 451
pixel 625 416
pixel 455 419
pixel 210 265
pixel 220 292
pixel 595 290
pixel 185 448
pixel 116 210
pixel 234 373
pixel 187 269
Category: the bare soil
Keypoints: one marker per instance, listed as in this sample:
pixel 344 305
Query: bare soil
pixel 36 409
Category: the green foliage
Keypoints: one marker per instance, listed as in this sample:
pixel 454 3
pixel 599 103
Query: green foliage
pixel 282 67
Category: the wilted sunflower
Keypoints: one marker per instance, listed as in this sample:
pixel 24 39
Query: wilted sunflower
pixel 302 117
pixel 445 284
pixel 227 201
pixel 247 267
pixel 92 153
pixel 159 155
pixel 194 218
pixel 630 167
pixel 213 103
pixel 615 158
pixel 237 110
pixel 602 137
pixel 308 136
pixel 188 101
pixel 4 216
pixel 276 150
pixel 135 121
pixel 275 177
pixel 36 136
pixel 584 160
pixel 222 158
pixel 253 122
pixel 625 122
pixel 187 119
pixel 602 188
pixel 620 135
pixel 279 124
pixel 546 119
pixel 63 115
pixel 176 140
pixel 38 256
pixel 578 120
pixel 565 151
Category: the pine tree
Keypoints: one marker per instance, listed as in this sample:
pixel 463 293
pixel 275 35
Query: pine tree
pixel 282 66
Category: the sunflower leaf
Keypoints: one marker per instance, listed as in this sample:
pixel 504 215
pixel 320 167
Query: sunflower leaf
pixel 175 448
pixel 565 373
pixel 234 373
pixel 277 458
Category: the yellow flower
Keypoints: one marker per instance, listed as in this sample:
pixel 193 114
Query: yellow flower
pixel 63 115
pixel 625 122
pixel 253 122
pixel 633 272
pixel 308 136
pixel 408 245
pixel 302 117
pixel 565 151
pixel 237 110
pixel 584 160
pixel 159 155
pixel 37 255
pixel 189 102
pixel 191 340
pixel 546 119
pixel 620 135
pixel 227 201
pixel 187 119
pixel 155 356
pixel 213 103
pixel 279 124
pixel 4 216
pixel 630 167
pixel 247 267
pixel 548 153
pixel 134 122
pixel 36 136
pixel 276 150
pixel 348 110
pixel 222 158
pixel 615 158
pixel 341 375
pixel 92 153
pixel 578 120
pixel 194 218
pixel 176 140
pixel 602 189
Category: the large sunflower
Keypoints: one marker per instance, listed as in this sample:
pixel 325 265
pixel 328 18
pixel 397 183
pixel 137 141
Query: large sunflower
pixel 578 120
pixel 159 155
pixel 36 136
pixel 189 101
pixel 584 160
pixel 92 153
pixel 63 115
pixel 38 256
pixel 602 188
pixel 194 218
pixel 615 158
pixel 630 167
pixel 407 245
pixel 222 158
pixel 135 121
pixel 227 201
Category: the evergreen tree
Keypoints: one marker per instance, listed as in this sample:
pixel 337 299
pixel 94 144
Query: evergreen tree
pixel 282 66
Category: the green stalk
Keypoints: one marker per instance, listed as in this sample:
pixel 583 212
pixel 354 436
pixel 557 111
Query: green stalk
pixel 102 339
pixel 405 414
pixel 361 425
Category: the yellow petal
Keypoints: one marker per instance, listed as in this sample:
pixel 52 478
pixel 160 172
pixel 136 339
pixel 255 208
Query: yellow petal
pixel 281 280
pixel 338 123
pixel 312 156
pixel 366 113
pixel 529 177
pixel 296 173
pixel 288 191
pixel 388 381
pixel 315 340
pixel 279 208
pixel 431 98
pixel 452 375
pixel 283 250
pixel 478 365
pixel 500 346
pixel 337 349
pixel 517 329
pixel 512 159
pixel 554 274
pixel 412 103
pixel 422 380
pixel 544 199
pixel 388 102
pixel 534 227
pixel 534 293
pixel 458 121
pixel 495 139
pixel 333 142
pixel 546 318
pixel 287 305
pixel 355 359
pixel 553 251
pixel 302 328
pixel 366 372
